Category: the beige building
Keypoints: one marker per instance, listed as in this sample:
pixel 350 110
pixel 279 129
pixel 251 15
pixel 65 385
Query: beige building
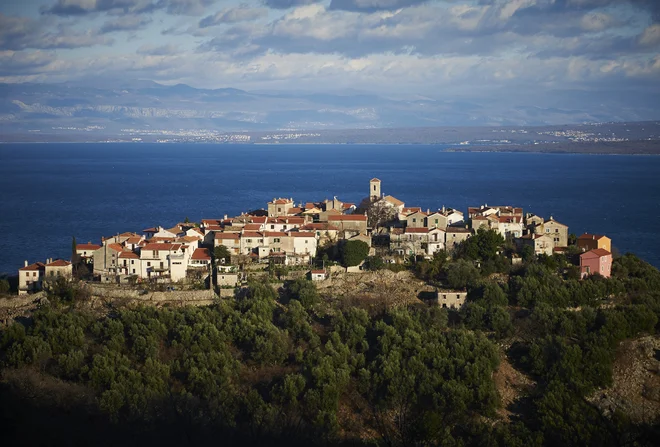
pixel 416 220
pixel 557 231
pixel 58 269
pixel 374 189
pixel 30 277
pixel 593 241
pixel 279 207
pixel 451 299
pixel 541 243
pixel 454 235
pixel 356 223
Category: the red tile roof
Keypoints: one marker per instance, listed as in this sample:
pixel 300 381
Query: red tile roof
pixel 393 200
pixel 128 255
pixel 596 252
pixel 302 234
pixel 227 236
pixel 201 254
pixel 282 201
pixel 87 247
pixel 318 272
pixel 259 219
pixel 35 266
pixel 150 230
pixel 417 230
pixel 591 236
pixel 116 247
pixel 59 263
pixel 252 227
pixel 348 217
pixel 133 240
pixel 374 180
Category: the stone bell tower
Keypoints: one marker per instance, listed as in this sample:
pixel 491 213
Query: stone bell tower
pixel 374 189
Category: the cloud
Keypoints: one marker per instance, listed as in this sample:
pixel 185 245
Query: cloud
pixel 373 5
pixel 25 63
pixel 650 37
pixel 286 4
pixel 163 50
pixel 84 7
pixel 18 33
pixel 126 23
pixel 233 15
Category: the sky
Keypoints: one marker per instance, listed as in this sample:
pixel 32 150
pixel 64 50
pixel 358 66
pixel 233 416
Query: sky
pixel 460 48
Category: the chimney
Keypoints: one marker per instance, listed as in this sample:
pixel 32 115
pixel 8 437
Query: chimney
pixel 593 237
pixel 225 217
pixel 26 264
pixel 443 208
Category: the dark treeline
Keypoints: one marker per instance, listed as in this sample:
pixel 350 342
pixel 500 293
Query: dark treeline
pixel 289 368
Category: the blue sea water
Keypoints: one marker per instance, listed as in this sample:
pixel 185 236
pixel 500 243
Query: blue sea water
pixel 51 192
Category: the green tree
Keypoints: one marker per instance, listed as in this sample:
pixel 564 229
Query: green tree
pixel 353 253
pixel 221 254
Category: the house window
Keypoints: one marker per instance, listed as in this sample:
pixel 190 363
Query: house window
pixel 148 264
pixel 132 262
pixel 27 273
pixel 556 230
pixel 34 273
pixel 249 241
pixel 414 220
pixel 276 240
pixel 272 227
pixel 547 230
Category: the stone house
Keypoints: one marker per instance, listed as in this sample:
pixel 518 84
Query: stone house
pixel 540 243
pixel 30 277
pixel 593 241
pixel 454 235
pixel 416 220
pixel 451 299
pixel 556 230
pixel 279 207
pixel 58 269
pixel 86 251
pixel 230 240
pixel 595 261
pixel 355 223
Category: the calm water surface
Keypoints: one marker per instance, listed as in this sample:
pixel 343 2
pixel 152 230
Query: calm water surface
pixel 51 192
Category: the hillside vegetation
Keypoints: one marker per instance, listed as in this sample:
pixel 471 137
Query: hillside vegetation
pixel 523 363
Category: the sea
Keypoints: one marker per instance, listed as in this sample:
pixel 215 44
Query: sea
pixel 50 193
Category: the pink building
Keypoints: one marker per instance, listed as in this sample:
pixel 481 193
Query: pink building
pixel 596 261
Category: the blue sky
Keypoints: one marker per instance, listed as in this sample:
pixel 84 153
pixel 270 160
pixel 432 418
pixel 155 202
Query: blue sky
pixel 456 48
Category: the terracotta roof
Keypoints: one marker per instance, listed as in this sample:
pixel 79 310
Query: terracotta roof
pixel 116 247
pixel 302 234
pixel 318 272
pixel 161 247
pixel 150 230
pixel 319 226
pixel 259 219
pixel 599 252
pixel 213 228
pixel 417 230
pixel 295 210
pixel 591 236
pixel 174 230
pixel 59 263
pixel 187 239
pixel 347 205
pixel 161 239
pixel 251 234
pixel 35 266
pixel 348 217
pixel 87 247
pixel 128 255
pixel 393 200
pixel 252 227
pixel 201 254
pixel 281 201
pixel 207 222
pixel 227 236
pixel 197 230
pixel 133 240
pixel 411 209
pixel 508 219
pixel 374 180
pixel 129 234
pixel 286 219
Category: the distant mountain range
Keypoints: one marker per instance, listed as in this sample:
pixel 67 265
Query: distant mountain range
pixel 118 109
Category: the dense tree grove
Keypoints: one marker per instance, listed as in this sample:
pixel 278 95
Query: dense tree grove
pixel 289 368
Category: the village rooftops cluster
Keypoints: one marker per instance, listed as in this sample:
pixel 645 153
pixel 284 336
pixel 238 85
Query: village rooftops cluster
pixel 290 234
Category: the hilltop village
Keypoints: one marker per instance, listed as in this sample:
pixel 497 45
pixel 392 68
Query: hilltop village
pixel 287 233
